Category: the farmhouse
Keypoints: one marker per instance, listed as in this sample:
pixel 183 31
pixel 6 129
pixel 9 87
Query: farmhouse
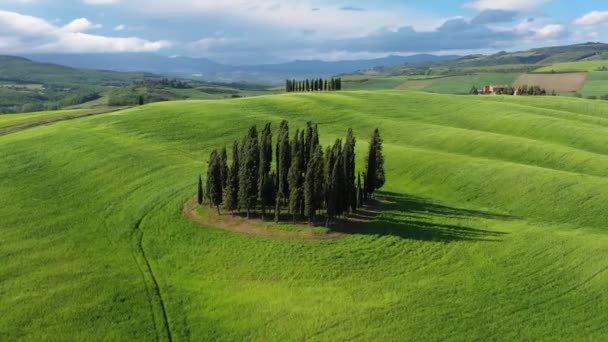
pixel 494 89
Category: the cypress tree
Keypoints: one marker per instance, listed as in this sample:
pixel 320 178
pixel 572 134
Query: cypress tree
pixel 313 185
pixel 283 162
pixel 335 186
pixel 232 187
pixel 268 192
pixel 329 163
pixel 224 166
pixel 375 164
pixel 214 177
pixel 295 190
pixel 249 171
pixel 350 195
pixel 359 191
pixel 308 143
pixel 265 162
pixel 325 85
pixel 200 190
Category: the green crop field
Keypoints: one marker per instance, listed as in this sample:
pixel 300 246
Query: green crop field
pixel 596 85
pixel 575 66
pixel 495 226
pixel 441 85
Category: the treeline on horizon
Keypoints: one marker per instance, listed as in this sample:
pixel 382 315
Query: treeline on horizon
pixel 332 84
pixel 306 180
pixel 524 90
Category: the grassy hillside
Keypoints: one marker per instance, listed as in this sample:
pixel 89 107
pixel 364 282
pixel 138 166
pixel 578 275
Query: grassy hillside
pixel 595 65
pixel 461 84
pixel 495 230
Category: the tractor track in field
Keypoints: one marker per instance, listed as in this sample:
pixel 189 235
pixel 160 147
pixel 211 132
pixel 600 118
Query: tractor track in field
pixel 147 272
pixel 47 121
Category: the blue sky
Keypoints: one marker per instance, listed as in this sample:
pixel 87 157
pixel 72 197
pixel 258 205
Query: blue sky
pixel 267 31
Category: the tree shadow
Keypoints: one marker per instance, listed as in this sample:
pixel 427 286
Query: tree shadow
pixel 411 217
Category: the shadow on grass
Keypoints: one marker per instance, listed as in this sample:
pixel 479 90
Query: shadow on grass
pixel 411 217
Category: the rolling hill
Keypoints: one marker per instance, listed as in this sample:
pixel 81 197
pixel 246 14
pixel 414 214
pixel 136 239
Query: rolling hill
pixel 494 220
pixel 208 70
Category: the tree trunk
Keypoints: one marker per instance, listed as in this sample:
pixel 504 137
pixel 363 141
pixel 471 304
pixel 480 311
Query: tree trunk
pixel 277 212
pixel 218 210
pixel 248 212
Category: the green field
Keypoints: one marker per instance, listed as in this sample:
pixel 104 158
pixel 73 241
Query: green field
pixel 441 85
pixel 575 66
pixel 495 230
pixel 596 85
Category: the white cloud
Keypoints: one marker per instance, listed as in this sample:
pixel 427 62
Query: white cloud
pixel 509 5
pixel 552 31
pixel 289 14
pixel 593 18
pixel 80 25
pixel 120 27
pixel 22 33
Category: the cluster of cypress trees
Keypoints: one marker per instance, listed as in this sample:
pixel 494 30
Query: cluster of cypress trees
pixel 332 84
pixel 306 180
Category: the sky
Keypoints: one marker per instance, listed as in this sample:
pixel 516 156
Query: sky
pixel 272 31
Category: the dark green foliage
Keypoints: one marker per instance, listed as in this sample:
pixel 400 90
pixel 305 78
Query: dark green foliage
pixel 283 160
pixel 305 180
pixel 335 189
pixel 214 179
pixel 350 194
pixel 313 85
pixel 360 195
pixel 224 166
pixel 474 91
pixel 201 194
pixel 313 185
pixel 295 183
pixel 232 185
pixel 265 153
pixel 268 192
pixel 249 171
pixel 375 164
pixel 264 169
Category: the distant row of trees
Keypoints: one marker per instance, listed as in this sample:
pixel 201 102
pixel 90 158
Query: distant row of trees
pixel 332 84
pixel 521 91
pixel 306 180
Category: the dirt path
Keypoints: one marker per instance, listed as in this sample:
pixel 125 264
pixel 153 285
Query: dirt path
pixel 47 121
pixel 253 226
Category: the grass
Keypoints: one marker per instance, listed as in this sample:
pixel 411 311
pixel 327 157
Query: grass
pixel 15 119
pixel 496 227
pixel 442 85
pixel 596 85
pixel 575 66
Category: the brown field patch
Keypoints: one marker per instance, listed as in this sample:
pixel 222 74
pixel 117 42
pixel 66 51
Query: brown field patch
pixel 560 83
pixel 415 84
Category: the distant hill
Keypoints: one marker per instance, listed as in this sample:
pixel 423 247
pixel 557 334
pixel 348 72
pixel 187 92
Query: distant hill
pixel 543 56
pixel 26 86
pixel 23 70
pixel 208 70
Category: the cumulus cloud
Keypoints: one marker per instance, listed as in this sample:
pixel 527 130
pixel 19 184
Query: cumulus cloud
pixel 509 5
pixel 593 18
pixel 26 34
pixel 80 25
pixel 294 15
